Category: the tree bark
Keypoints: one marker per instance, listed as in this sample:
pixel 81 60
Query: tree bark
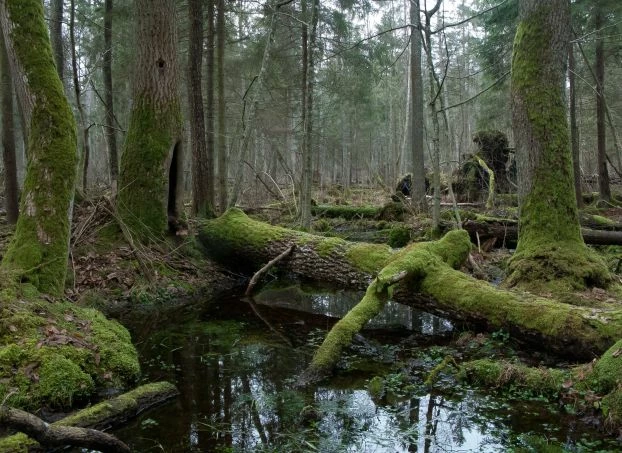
pixel 550 247
pixel 198 144
pixel 574 128
pixel 416 110
pixel 86 149
pixel 571 331
pixel 104 415
pixel 11 188
pixel 435 93
pixel 110 132
pixel 151 164
pixel 56 36
pixel 601 127
pixel 210 110
pixel 40 246
pixel 50 435
pixel 506 234
pixel 222 125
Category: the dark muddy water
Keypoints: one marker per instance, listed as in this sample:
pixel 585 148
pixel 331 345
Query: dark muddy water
pixel 235 363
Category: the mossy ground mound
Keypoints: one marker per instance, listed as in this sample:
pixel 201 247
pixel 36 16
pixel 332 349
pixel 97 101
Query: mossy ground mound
pixel 55 354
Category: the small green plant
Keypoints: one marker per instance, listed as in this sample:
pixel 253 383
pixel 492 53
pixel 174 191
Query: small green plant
pixel 399 236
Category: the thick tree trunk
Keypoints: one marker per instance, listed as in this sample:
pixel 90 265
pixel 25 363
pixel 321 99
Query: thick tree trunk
pixel 222 125
pixel 40 246
pixel 151 164
pixel 550 246
pixel 11 188
pixel 246 245
pixel 198 144
pixel 111 135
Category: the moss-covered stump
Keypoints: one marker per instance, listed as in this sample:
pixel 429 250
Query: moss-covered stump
pixel 55 354
pixel 106 414
pixel 578 332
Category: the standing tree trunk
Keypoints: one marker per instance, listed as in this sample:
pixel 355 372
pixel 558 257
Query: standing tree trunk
pixel 206 206
pixel 222 129
pixel 550 245
pixel 151 164
pixel 601 126
pixel 8 138
pixel 307 141
pixel 574 128
pixel 111 136
pixel 435 88
pixel 416 112
pixel 86 149
pixel 40 247
pixel 198 145
pixel 56 35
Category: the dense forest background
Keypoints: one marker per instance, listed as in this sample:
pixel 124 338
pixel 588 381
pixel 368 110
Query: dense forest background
pixel 248 63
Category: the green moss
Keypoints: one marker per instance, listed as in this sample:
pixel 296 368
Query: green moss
pixel 368 257
pixel 399 236
pixel 62 381
pixel 55 352
pixel 326 246
pixel 515 376
pixel 550 245
pixel 128 401
pixel 341 334
pixel 375 387
pixel 18 443
pixel 98 415
pixel 607 374
pixel 345 212
pixel 39 249
pixel 153 132
pixel 611 406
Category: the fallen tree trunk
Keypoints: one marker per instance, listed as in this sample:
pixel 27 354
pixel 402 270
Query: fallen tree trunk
pixel 578 332
pixel 506 233
pixel 104 415
pixel 56 435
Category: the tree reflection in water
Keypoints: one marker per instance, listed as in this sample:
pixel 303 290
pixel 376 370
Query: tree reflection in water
pixel 236 380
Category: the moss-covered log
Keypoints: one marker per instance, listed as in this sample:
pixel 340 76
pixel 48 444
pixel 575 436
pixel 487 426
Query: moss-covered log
pixel 104 415
pixel 573 331
pixel 40 246
pixel 410 264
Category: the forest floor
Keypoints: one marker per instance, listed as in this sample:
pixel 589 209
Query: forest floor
pixel 111 273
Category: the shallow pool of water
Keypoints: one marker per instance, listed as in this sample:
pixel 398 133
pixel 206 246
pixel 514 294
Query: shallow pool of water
pixel 235 363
